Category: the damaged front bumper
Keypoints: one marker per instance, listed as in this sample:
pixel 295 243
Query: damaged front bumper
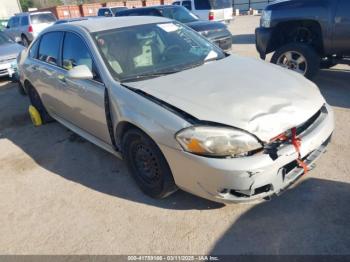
pixel 250 178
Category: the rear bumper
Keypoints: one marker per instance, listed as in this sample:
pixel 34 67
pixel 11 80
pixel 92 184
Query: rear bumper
pixel 263 41
pixel 249 178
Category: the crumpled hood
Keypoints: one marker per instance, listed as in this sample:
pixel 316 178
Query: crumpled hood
pixel 246 93
pixel 10 50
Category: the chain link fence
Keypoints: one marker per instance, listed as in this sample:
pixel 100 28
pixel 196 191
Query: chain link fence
pixel 245 5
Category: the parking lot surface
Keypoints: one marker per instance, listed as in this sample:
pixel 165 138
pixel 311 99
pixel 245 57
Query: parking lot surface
pixel 60 194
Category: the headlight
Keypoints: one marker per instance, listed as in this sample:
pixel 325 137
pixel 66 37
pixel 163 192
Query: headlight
pixel 266 18
pixel 217 141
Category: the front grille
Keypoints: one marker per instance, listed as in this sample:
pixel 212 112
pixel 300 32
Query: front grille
pixel 272 147
pixel 310 121
pixel 3 71
pixel 7 60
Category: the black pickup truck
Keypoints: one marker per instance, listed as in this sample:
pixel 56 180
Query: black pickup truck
pixel 305 35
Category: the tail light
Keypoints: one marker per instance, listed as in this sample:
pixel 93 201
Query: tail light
pixel 30 29
pixel 211 15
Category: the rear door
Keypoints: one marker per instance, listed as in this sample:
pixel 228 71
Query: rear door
pixel 341 35
pixel 45 70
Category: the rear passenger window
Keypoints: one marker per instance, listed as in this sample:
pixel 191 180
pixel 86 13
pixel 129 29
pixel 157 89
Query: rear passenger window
pixel 15 22
pixel 104 12
pixel 187 4
pixel 24 21
pixel 202 4
pixel 73 56
pixel 49 47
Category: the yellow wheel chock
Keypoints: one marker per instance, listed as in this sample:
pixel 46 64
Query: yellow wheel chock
pixel 35 116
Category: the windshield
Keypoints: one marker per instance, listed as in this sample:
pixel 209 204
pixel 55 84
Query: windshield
pixel 42 18
pixel 4 39
pixel 180 14
pixel 138 52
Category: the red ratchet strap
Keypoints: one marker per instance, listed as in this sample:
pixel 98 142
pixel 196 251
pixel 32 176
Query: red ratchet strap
pixel 296 142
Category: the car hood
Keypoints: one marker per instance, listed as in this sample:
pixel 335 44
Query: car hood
pixel 245 93
pixel 202 25
pixel 9 51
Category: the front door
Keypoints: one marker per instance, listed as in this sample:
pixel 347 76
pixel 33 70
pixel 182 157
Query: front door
pixel 83 98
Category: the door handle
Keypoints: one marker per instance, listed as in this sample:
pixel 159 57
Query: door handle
pixel 35 68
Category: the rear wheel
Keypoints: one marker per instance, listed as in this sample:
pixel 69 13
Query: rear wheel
pixel 300 58
pixel 147 164
pixel 25 41
pixel 35 101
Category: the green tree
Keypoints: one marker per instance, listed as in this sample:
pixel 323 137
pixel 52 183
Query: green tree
pixel 25 4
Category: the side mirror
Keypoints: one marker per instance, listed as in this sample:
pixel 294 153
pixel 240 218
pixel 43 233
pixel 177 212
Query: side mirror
pixel 80 72
pixel 7 27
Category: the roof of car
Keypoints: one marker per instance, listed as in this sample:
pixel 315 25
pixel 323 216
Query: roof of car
pixel 107 23
pixel 153 7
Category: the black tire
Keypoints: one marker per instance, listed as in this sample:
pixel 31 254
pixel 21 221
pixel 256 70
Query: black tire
pixel 312 58
pixel 20 89
pixel 327 63
pixel 25 41
pixel 147 164
pixel 35 101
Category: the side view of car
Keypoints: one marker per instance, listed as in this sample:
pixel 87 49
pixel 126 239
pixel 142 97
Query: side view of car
pixel 179 111
pixel 305 34
pixel 24 27
pixel 216 32
pixel 212 10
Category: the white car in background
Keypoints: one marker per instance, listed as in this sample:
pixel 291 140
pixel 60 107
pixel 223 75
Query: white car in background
pixel 213 10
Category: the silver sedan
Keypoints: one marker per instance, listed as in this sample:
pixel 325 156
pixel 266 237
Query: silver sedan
pixel 180 112
pixel 9 51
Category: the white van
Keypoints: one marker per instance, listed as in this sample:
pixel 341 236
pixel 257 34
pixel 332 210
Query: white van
pixel 214 10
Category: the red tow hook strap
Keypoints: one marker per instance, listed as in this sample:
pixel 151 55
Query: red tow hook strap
pixel 297 143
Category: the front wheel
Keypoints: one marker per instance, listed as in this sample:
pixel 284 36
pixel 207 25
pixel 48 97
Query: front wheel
pixel 147 164
pixel 300 58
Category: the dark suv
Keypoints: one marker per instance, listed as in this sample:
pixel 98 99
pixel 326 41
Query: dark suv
pixel 305 34
pixel 216 32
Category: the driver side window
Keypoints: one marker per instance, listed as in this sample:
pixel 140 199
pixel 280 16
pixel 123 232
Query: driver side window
pixel 73 56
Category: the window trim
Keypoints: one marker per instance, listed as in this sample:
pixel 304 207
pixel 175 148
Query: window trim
pixel 59 49
pixel 87 47
pixel 182 4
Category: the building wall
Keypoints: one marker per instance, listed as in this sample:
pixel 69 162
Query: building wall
pixel 8 8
